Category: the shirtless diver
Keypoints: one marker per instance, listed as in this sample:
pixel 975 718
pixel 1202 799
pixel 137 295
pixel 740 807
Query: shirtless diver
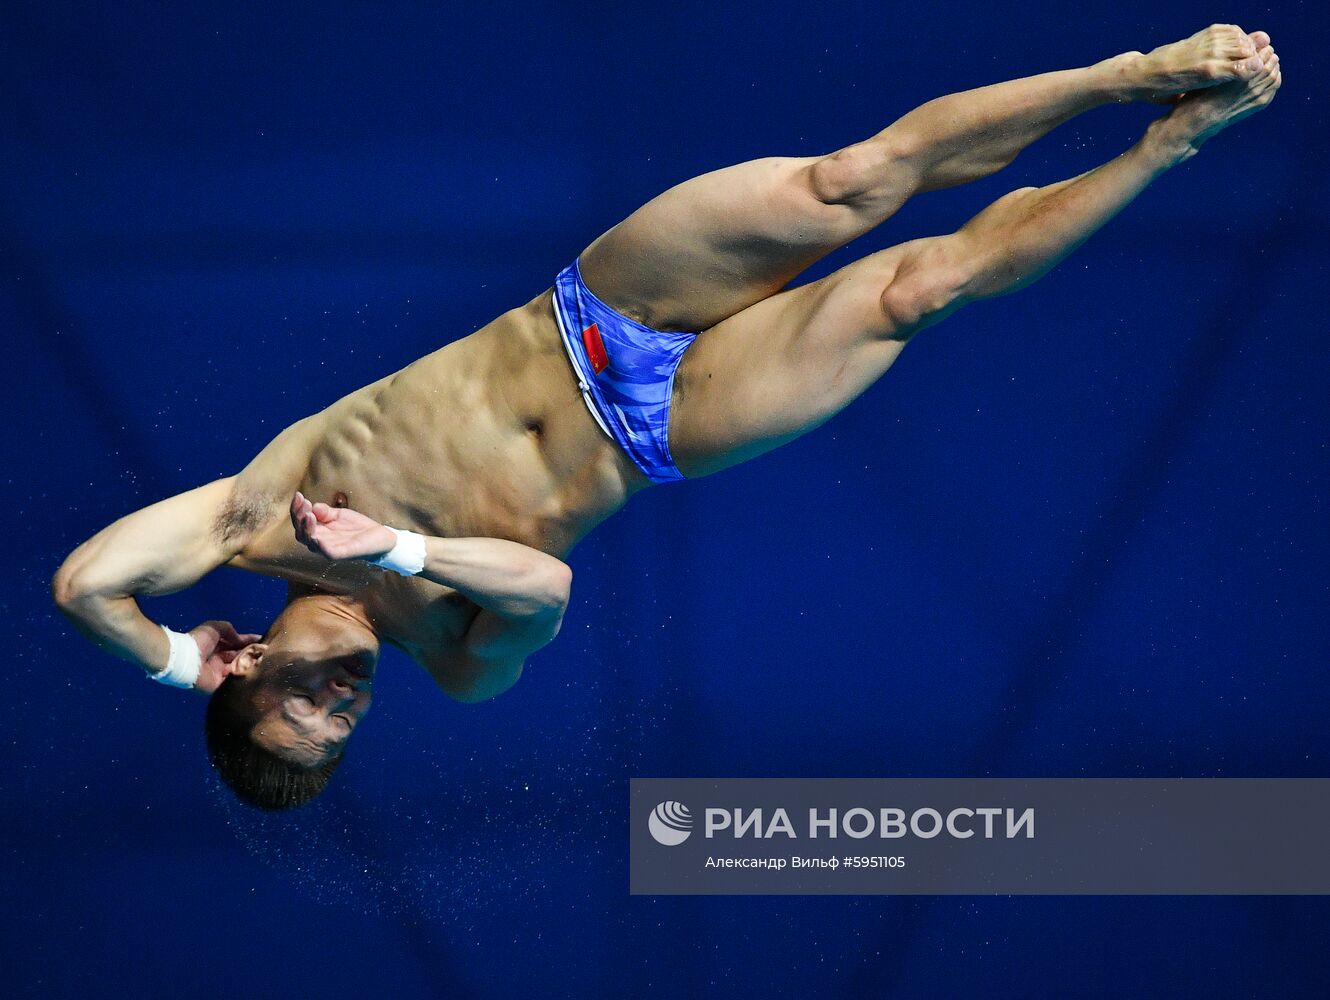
pixel 671 348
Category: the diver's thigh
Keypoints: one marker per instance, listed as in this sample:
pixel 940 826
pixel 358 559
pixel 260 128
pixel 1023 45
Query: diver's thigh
pixel 779 368
pixel 716 244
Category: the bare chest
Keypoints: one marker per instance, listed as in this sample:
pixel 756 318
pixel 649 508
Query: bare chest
pixel 490 440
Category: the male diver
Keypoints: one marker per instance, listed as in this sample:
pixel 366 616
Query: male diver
pixel 431 509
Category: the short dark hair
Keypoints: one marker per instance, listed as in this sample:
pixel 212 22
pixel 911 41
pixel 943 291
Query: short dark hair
pixel 258 777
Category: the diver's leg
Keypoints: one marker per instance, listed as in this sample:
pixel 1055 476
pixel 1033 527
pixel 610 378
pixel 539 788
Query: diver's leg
pixel 718 243
pixel 788 363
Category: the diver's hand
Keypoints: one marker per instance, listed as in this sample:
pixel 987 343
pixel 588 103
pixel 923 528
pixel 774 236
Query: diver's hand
pixel 219 645
pixel 338 533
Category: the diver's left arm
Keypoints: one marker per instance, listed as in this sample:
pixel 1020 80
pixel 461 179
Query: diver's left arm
pixel 167 547
pixel 160 549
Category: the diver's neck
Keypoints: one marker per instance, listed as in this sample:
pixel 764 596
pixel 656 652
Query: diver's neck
pixel 393 610
pixel 350 607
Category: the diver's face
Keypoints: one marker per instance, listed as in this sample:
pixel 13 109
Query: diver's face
pixel 310 696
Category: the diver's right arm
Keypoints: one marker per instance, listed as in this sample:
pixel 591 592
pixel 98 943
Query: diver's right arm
pixel 157 550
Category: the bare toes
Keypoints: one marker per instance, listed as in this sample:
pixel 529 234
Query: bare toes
pixel 1260 39
pixel 1264 88
pixel 1245 69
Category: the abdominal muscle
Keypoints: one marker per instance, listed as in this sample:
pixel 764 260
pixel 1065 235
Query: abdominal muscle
pixel 487 436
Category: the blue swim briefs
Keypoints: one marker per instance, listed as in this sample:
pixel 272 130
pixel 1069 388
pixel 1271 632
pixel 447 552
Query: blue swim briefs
pixel 625 371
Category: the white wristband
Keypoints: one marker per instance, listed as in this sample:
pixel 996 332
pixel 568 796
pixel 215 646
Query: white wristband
pixel 182 668
pixel 406 557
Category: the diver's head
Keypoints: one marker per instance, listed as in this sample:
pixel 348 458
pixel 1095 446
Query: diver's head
pixel 278 724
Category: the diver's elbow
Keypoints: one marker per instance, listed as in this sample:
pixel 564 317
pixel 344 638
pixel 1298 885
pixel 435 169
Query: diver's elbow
pixel 485 686
pixel 557 588
pixel 75 588
pixel 66 589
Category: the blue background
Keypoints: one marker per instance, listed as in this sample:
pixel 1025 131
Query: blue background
pixel 1076 532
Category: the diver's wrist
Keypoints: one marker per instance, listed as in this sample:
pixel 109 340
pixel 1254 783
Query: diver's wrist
pixel 184 661
pixel 406 557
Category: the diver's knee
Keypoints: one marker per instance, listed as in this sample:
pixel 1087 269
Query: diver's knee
pixel 858 173
pixel 926 284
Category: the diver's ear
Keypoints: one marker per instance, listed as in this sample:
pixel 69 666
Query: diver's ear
pixel 247 661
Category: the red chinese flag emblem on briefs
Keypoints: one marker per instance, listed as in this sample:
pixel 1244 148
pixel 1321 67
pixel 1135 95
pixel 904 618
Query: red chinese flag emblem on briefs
pixel 595 349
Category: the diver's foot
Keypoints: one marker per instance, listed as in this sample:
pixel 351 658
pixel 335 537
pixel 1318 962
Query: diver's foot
pixel 1221 53
pixel 1203 114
